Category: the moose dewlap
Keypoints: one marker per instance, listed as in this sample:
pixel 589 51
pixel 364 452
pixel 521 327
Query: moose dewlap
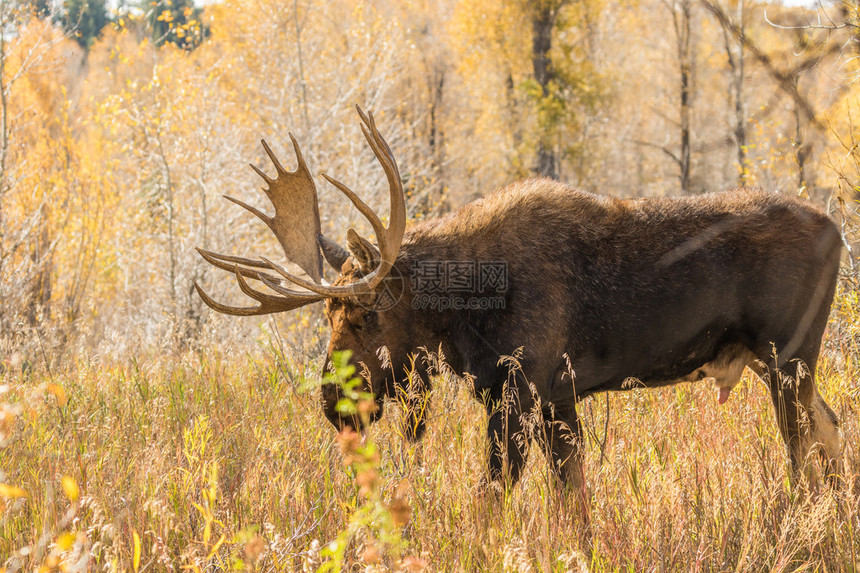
pixel 594 291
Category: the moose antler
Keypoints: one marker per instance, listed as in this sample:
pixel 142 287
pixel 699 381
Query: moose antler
pixel 296 225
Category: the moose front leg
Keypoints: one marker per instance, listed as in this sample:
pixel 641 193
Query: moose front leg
pixel 508 436
pixel 415 402
pixel 561 437
pixel 562 441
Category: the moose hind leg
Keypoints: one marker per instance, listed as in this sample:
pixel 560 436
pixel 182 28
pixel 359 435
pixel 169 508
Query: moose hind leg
pixel 807 424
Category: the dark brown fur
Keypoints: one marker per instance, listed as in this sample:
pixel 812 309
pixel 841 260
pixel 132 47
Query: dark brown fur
pixel 660 290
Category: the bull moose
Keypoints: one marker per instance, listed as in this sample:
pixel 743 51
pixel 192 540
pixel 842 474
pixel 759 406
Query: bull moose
pixel 596 291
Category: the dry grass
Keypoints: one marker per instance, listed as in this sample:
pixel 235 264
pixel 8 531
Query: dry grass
pixel 213 462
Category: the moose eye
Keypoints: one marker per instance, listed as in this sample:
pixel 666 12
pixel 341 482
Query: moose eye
pixel 360 321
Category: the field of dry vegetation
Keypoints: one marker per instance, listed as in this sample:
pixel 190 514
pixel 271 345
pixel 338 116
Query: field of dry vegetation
pixel 209 461
pixel 141 432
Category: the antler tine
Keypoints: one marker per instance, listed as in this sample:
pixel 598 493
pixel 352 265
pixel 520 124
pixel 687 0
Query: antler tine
pixel 300 159
pixel 380 147
pixel 274 285
pixel 389 241
pixel 261 173
pixel 209 255
pixel 277 287
pixel 221 261
pixel 352 289
pixel 374 138
pixel 362 207
pixel 291 295
pixel 260 215
pixel 262 308
pixel 223 308
pixel 274 158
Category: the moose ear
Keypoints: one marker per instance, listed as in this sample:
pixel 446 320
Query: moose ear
pixel 363 251
pixel 334 254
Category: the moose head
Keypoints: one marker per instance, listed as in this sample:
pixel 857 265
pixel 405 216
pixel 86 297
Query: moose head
pixel 358 323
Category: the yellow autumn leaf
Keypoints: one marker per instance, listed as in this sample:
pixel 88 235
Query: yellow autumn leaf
pixel 11 491
pixel 215 547
pixel 58 392
pixel 70 486
pixel 65 541
pixel 136 558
